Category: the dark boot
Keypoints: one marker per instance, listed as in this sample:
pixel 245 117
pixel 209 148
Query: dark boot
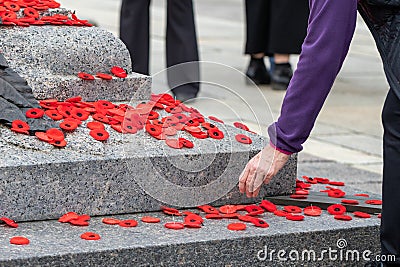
pixel 257 71
pixel 281 76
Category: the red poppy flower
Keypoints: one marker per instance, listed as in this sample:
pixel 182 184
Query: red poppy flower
pixel 192 225
pixel 55 134
pixel 85 76
pixel 111 221
pixel 254 210
pixel 90 236
pixel 119 72
pixel 19 240
pixel 246 218
pixel 100 117
pixel 79 122
pixel 153 129
pixel 173 109
pixel 208 126
pixel 99 134
pixel 186 143
pixel 350 201
pixel 170 120
pixel 74 99
pixel 361 195
pixel 64 110
pixel 281 213
pixel 295 196
pixel 57 143
pixel 294 217
pixel 379 215
pixel 212 216
pixel 268 205
pixel 237 226
pixel 12 6
pixel 192 123
pixel 336 183
pixel 128 223
pixel 200 135
pixel 230 215
pixel 104 76
pixel 9 222
pixel 241 138
pixel 241 126
pixel 150 219
pixel 34 113
pixel 170 131
pixel 336 193
pixel 82 220
pixel 53 114
pixel 42 136
pixel 174 225
pixel 292 209
pixel 208 209
pixel 336 209
pixel 48 103
pixel 373 202
pixel 79 114
pixel 312 211
pixel 215 119
pixel 153 115
pixel 193 218
pixel 95 125
pixel 68 126
pixel 170 211
pixel 342 217
pixel 19 126
pixel 215 133
pixel 302 192
pixel 181 117
pixel 360 214
pixel 174 143
pixel 303 185
pixel 227 209
pixel 68 217
pixel 260 223
pixel 322 180
pixel 310 180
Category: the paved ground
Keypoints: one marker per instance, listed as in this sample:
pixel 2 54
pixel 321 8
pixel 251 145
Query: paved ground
pixel 348 130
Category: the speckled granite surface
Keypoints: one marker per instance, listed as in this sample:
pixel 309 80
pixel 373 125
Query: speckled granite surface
pixel 128 173
pixel 56 244
pixel 49 58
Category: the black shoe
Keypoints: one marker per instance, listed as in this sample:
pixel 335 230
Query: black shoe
pixel 281 76
pixel 257 72
pixel 184 95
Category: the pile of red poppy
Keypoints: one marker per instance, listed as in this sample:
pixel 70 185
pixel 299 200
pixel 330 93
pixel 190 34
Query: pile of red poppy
pixel 126 119
pixel 245 214
pixel 28 12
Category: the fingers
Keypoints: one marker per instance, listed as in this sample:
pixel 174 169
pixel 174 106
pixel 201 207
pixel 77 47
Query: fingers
pixel 242 179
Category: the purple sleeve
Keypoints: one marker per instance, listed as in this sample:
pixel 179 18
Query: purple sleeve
pixel 330 30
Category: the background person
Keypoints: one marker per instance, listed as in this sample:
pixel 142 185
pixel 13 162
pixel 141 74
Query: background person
pixel 330 30
pixel 181 42
pixel 275 28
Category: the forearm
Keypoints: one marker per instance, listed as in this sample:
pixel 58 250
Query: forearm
pixel 330 30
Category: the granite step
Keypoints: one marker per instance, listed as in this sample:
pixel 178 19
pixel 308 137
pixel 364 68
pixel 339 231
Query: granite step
pixel 56 244
pixel 50 57
pixel 128 173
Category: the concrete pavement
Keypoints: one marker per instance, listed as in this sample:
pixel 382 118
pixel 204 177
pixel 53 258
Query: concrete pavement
pixel 348 130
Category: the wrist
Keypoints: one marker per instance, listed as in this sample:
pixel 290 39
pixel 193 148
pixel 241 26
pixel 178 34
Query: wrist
pixel 280 150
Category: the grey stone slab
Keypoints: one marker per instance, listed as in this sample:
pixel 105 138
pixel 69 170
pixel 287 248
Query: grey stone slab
pixel 360 142
pixel 56 244
pixel 128 173
pixel 50 57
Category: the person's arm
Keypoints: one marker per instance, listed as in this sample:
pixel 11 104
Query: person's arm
pixel 330 30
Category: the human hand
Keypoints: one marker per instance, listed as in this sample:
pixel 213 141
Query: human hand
pixel 261 169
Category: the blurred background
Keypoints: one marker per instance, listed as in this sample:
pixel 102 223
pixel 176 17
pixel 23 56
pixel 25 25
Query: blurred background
pixel 348 129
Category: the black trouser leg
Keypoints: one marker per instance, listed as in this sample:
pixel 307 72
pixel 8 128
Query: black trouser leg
pixel 134 32
pixel 390 226
pixel 257 26
pixel 181 47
